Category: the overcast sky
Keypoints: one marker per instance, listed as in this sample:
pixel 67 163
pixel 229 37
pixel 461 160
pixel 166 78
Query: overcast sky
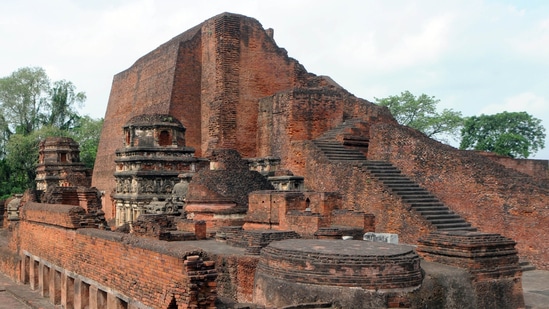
pixel 475 56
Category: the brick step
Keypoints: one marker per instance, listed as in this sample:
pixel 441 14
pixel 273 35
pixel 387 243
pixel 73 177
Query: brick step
pixel 330 145
pixel 400 182
pixel 418 198
pixel 423 204
pixel 345 155
pixel 383 173
pixel 379 162
pixel 430 208
pixel 526 265
pixel 446 226
pixel 344 158
pixel 404 183
pixel 464 228
pixel 406 189
pixel 449 216
pixel 390 177
pixel 434 212
pixel 340 151
pixel 447 221
pixel 356 143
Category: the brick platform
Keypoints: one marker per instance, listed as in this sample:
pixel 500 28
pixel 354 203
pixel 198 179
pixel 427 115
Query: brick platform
pixel 491 259
pixel 373 266
pixel 484 255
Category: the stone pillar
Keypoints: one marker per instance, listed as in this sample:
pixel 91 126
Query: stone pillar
pixel 81 294
pixel 118 215
pixel 44 280
pixel 114 302
pixel 67 291
pixel 34 274
pixel 55 286
pixel 98 298
pixel 25 269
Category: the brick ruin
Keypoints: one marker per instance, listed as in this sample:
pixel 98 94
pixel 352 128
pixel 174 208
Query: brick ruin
pixel 296 165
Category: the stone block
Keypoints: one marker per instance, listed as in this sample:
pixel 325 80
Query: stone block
pixel 381 237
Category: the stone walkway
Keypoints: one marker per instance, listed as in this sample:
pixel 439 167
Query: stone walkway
pixel 18 296
pixel 535 284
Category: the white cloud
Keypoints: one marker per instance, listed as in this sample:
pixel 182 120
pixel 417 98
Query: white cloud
pixel 535 105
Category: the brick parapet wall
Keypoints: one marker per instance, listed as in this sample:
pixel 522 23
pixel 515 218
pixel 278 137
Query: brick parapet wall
pixel 493 198
pixel 66 216
pixel 148 271
pixel 531 167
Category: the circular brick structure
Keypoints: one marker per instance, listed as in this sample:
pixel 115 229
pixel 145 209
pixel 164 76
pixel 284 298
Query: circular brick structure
pixel 344 273
pixel 353 263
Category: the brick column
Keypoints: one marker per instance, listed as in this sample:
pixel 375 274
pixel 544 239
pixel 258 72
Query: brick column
pixel 25 269
pixel 81 294
pixel 98 298
pixel 67 291
pixel 55 286
pixel 44 280
pixel 114 302
pixel 34 274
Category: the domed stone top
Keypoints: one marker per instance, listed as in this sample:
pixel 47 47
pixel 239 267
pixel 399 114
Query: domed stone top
pixel 154 130
pixel 58 141
pixel 147 120
pixel 228 180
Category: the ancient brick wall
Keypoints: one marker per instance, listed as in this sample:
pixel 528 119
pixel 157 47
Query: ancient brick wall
pixel 305 114
pixel 185 94
pixel 144 270
pixel 493 198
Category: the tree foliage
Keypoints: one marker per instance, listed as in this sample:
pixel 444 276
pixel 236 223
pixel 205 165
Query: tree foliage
pixel 513 134
pixel 421 113
pixel 23 97
pixel 86 132
pixel 31 109
pixel 63 99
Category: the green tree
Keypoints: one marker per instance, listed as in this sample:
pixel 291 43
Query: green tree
pixel 513 134
pixel 63 99
pixel 421 113
pixel 23 98
pixel 86 132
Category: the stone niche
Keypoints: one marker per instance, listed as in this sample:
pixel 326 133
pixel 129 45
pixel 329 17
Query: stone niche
pixel 59 164
pixel 148 166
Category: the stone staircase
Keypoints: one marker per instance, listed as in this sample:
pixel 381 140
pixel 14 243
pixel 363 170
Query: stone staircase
pixel 352 132
pixel 417 197
pixel 335 151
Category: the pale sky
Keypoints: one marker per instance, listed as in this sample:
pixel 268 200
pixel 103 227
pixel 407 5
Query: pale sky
pixel 475 56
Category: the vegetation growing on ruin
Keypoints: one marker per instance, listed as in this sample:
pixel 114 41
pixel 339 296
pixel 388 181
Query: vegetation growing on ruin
pixel 33 108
